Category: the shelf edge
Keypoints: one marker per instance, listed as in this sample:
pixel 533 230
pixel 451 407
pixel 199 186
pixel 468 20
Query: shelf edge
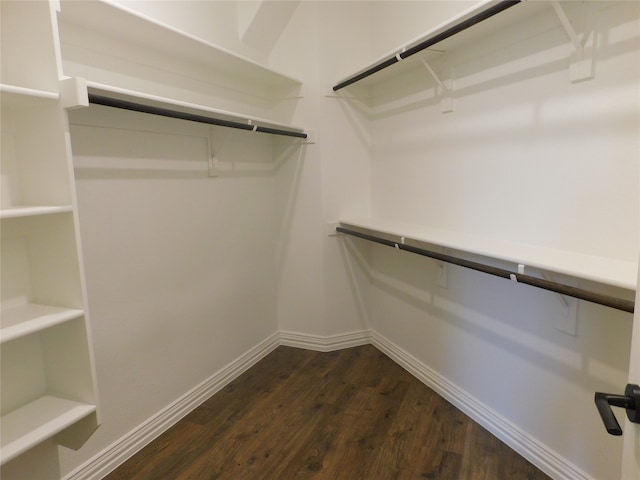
pixel 20 212
pixel 408 231
pixel 50 317
pixel 63 414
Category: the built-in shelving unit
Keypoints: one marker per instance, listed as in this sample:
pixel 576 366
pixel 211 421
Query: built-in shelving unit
pixel 607 271
pixel 48 382
pixel 26 427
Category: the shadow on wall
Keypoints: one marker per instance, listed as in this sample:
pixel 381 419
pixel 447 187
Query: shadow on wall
pixel 41 463
pixel 518 318
pixel 541 48
pixel 497 341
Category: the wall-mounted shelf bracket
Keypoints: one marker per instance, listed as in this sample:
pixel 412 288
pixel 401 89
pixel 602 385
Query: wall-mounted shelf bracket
pixel 582 59
pixel 445 88
pixel 73 93
pixel 312 136
pixel 567 321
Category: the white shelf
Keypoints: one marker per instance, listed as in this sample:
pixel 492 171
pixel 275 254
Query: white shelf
pixel 45 344
pixel 19 212
pixel 129 26
pixel 608 271
pixel 13 95
pixel 502 20
pixel 32 318
pixel 171 103
pixel 37 421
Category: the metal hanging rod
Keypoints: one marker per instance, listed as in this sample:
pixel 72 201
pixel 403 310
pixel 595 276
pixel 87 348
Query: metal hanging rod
pixel 601 299
pixel 165 112
pixel 455 29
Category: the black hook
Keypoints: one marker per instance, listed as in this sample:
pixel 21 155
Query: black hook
pixel 630 401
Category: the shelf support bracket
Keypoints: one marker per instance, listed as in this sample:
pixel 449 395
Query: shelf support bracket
pixel 73 93
pixel 567 322
pixel 581 66
pixel 446 93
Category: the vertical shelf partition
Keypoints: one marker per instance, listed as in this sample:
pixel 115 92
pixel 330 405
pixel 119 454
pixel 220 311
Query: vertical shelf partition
pixel 48 382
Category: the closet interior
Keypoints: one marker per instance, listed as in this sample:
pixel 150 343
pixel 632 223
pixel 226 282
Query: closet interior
pixel 185 188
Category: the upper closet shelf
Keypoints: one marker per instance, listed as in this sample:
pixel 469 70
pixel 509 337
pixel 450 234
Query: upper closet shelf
pixel 143 102
pixel 116 21
pixel 608 271
pixel 471 24
pixel 13 95
pixel 31 211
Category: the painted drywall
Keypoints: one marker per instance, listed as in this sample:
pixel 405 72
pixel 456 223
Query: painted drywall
pixel 216 22
pixel 179 265
pixel 496 341
pixel 392 27
pixel 314 295
pixel 529 156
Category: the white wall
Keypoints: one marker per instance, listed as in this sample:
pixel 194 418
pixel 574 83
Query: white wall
pixel 196 247
pixel 314 295
pixel 528 156
pixel 214 21
pixel 180 266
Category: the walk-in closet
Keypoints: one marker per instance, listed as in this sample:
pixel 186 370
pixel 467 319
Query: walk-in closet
pixel 433 202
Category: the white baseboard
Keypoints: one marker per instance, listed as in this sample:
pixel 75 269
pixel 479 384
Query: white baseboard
pixel 117 453
pixel 529 447
pixel 325 344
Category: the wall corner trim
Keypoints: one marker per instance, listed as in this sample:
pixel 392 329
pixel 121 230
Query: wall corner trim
pixel 325 344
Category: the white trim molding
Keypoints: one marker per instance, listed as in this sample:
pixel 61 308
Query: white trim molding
pixel 529 447
pixel 325 343
pixel 526 445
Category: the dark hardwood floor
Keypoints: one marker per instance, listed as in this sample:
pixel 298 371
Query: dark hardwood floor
pixel 351 414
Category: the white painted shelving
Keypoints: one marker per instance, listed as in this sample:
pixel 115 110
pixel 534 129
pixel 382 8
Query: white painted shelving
pixel 26 427
pixel 117 22
pixel 48 382
pixel 603 270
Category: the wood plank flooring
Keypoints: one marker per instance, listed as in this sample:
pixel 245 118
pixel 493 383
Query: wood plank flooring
pixel 351 414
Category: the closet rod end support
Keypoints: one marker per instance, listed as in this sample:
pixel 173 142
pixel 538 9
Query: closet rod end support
pixel 330 228
pixel 312 136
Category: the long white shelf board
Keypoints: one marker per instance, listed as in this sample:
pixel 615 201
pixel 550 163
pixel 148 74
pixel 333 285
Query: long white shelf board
pixel 17 96
pixel 608 271
pixel 37 421
pixel 171 103
pixel 118 21
pixel 32 318
pixel 503 19
pixel 18 212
